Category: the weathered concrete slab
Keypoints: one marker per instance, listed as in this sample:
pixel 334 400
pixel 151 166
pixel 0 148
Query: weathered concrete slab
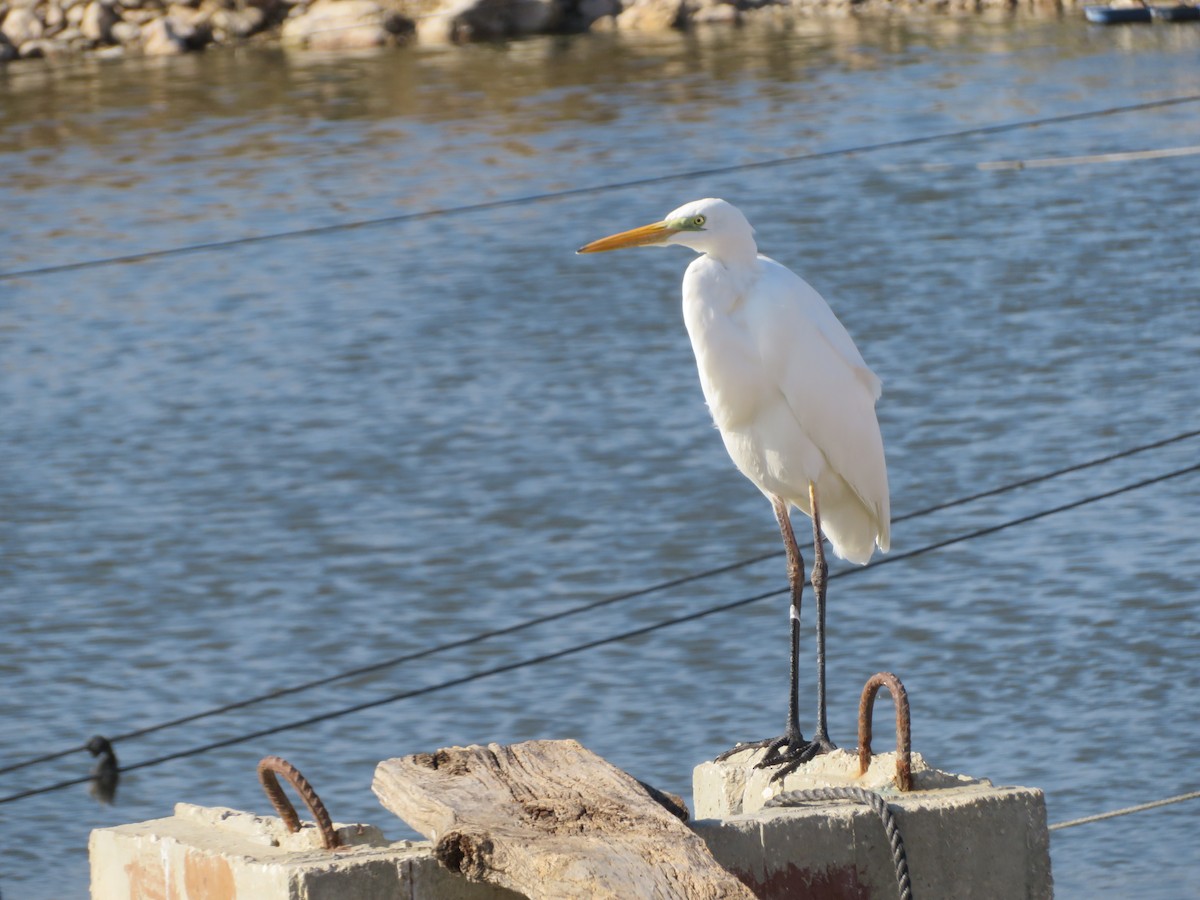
pixel 221 854
pixel 964 837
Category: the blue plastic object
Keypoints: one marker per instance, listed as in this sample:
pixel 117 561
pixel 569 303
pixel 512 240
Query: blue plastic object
pixel 1180 13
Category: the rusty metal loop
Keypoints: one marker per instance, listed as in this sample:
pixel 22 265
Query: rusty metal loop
pixel 866 706
pixel 271 766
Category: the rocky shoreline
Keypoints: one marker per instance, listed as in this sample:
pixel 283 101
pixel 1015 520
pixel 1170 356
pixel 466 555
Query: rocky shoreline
pixel 112 28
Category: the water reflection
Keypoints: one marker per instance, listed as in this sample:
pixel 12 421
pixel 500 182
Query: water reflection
pixel 224 470
pixel 95 103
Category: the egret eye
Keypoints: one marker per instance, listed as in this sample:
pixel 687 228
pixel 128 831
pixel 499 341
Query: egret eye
pixel 698 221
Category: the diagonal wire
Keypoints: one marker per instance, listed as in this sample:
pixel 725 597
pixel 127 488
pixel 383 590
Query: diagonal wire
pixel 610 639
pixel 1112 814
pixel 647 181
pixel 585 607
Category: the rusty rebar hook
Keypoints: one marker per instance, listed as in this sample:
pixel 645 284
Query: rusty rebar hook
pixel 271 766
pixel 866 707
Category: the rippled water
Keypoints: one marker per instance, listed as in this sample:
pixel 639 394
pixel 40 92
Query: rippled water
pixel 235 470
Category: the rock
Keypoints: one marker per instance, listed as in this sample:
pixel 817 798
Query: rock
pixel 529 17
pixel 140 16
pixel 159 39
pixel 126 32
pixel 97 22
pixel 734 12
pixel 716 14
pixel 21 26
pixel 189 25
pixel 54 18
pixel 187 15
pixel 588 11
pixel 273 10
pixel 460 21
pixel 654 15
pixel 43 48
pixel 73 36
pixel 344 25
pixel 237 24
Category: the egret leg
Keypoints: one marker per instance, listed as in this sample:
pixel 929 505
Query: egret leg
pixel 795 564
pixel 819 572
pixel 796 755
pixel 790 749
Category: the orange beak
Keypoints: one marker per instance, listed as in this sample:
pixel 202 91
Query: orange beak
pixel 635 237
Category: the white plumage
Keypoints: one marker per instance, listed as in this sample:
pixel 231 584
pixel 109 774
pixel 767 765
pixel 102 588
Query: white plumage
pixel 788 389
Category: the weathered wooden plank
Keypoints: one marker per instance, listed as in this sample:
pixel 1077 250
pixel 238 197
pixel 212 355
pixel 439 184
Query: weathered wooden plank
pixel 551 820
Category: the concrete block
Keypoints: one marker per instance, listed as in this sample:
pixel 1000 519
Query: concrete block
pixel 221 854
pixel 964 837
pixel 734 786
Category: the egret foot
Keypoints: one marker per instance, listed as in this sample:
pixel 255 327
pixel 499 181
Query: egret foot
pixel 791 756
pixel 787 752
pixel 752 745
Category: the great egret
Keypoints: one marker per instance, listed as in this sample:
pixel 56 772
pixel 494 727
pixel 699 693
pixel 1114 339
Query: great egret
pixel 795 405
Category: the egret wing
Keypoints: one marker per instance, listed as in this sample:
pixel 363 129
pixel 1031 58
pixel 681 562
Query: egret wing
pixel 825 382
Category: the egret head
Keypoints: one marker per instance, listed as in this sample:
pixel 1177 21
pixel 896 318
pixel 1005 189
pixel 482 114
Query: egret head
pixel 709 226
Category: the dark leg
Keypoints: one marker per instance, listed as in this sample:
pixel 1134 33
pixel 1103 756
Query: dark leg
pixel 820 570
pixel 794 758
pixel 792 737
pixel 791 747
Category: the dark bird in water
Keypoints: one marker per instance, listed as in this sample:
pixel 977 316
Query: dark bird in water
pixel 106 773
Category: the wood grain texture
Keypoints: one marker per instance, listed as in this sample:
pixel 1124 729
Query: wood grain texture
pixel 553 821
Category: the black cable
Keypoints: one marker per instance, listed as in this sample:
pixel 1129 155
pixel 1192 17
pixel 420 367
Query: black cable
pixel 399 660
pixel 38 760
pixel 1034 479
pixel 582 608
pixel 611 639
pixel 529 199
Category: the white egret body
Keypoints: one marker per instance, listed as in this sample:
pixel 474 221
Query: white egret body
pixel 793 399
